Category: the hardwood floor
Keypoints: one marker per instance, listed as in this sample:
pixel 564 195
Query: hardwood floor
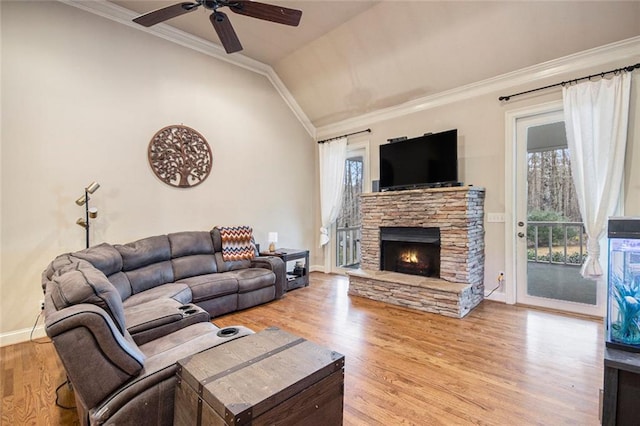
pixel 500 365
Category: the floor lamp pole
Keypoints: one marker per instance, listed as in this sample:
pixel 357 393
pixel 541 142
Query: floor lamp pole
pixel 86 214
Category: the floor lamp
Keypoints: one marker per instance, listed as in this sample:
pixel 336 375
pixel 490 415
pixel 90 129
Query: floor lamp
pixel 89 213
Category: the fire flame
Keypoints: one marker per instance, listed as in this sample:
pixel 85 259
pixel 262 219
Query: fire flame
pixel 409 256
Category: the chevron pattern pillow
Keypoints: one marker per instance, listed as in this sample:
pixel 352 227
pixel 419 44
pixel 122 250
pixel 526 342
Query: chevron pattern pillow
pixel 236 243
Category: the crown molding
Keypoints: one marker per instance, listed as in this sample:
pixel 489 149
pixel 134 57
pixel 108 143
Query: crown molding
pixel 629 48
pixel 125 16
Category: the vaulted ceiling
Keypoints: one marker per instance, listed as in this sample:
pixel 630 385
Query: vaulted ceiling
pixel 348 58
pixel 264 41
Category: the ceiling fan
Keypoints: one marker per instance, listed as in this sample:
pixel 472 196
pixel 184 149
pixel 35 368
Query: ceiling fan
pixel 220 21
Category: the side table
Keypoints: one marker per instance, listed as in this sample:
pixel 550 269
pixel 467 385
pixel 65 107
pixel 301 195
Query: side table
pixel 295 278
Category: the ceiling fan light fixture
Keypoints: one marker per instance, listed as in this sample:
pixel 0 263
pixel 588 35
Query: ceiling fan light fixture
pixel 218 16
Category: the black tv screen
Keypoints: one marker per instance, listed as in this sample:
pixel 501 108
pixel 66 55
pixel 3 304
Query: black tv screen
pixel 430 160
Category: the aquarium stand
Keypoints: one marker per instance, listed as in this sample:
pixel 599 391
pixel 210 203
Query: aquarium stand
pixel 622 346
pixel 621 388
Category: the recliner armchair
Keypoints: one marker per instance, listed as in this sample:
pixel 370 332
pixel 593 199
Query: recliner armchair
pixel 116 381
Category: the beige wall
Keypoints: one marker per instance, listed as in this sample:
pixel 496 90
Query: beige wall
pixel 81 98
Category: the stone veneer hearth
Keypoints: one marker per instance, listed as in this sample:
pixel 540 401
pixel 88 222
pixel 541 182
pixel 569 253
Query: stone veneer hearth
pixel 459 213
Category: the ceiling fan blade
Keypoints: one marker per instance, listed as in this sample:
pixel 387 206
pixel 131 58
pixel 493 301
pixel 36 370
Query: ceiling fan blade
pixel 160 15
pixel 268 12
pixel 225 31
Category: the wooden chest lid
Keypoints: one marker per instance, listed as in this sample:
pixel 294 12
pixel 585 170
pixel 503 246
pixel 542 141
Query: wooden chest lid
pixel 246 377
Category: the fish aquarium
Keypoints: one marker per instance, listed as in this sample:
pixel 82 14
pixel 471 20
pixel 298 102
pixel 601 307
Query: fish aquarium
pixel 623 304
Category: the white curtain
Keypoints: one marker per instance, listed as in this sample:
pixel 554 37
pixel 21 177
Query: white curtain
pixel 332 157
pixel 596 116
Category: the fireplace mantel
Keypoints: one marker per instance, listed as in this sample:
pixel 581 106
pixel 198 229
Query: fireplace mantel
pixel 457 211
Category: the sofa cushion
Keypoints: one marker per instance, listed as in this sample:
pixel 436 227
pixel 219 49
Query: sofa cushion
pixel 62 261
pixel 150 276
pixel 58 263
pixel 253 279
pixel 144 252
pixel 217 240
pixel 103 256
pixel 209 286
pixel 190 243
pixel 121 282
pixel 256 297
pixel 220 305
pixel 176 291
pixel 232 265
pixel 154 313
pixel 189 266
pixel 83 283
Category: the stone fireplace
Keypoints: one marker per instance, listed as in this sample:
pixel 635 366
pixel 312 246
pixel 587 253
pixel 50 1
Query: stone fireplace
pixel 420 227
pixel 410 250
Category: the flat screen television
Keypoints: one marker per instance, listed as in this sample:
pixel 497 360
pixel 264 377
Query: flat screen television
pixel 425 161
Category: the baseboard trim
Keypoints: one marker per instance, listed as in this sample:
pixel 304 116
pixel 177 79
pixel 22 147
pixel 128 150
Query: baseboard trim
pixel 496 297
pixel 21 336
pixel 317 268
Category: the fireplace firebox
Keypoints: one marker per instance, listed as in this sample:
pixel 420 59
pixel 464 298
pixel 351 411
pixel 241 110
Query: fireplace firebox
pixel 410 250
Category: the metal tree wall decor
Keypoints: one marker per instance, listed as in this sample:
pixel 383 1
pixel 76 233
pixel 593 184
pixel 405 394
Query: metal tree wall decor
pixel 180 156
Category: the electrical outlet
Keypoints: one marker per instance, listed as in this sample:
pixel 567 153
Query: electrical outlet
pixel 41 304
pixel 495 217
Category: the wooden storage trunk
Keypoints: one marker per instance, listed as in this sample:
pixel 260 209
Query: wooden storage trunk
pixel 271 377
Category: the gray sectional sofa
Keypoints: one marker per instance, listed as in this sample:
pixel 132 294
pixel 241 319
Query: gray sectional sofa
pixel 120 316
